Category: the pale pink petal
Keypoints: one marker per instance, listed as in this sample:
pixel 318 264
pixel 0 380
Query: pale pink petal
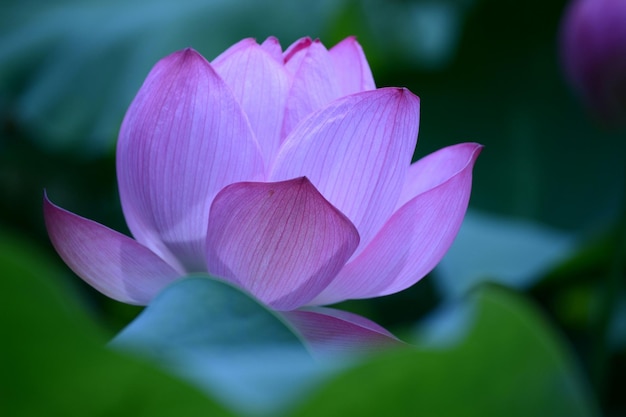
pixel 112 263
pixel 356 152
pixel 351 66
pixel 329 332
pixel 272 47
pixel 281 241
pixel 417 236
pixel 314 81
pixel 260 84
pixel 183 139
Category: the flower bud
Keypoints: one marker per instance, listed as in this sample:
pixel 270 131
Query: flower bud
pixel 593 52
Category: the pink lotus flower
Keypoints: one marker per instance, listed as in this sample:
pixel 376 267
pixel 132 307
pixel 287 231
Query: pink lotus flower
pixel 286 173
pixel 593 46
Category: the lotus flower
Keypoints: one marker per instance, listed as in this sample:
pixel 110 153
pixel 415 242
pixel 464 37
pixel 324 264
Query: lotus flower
pixel 593 46
pixel 287 174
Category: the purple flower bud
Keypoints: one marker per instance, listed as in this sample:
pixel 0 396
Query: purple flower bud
pixel 593 47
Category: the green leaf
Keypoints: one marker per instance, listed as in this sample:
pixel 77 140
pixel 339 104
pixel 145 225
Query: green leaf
pixel 511 252
pixel 71 68
pixel 53 360
pixel 510 363
pixel 226 342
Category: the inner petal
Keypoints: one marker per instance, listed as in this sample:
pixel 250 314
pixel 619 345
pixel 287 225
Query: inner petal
pixel 281 241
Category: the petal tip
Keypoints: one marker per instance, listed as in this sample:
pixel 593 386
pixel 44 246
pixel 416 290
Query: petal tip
pixel 475 150
pixel 183 57
pixel 297 46
pixel 405 92
pixel 187 52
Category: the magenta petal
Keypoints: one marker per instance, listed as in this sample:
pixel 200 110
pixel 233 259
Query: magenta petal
pixel 314 81
pixel 295 48
pixel 260 83
pixel 183 139
pixel 112 263
pixel 351 66
pixel 418 234
pixel 281 241
pixel 329 332
pixel 356 152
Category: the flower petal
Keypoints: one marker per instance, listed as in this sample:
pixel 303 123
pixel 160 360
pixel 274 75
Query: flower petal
pixel 260 83
pixel 329 332
pixel 356 152
pixel 417 236
pixel 351 66
pixel 183 139
pixel 295 48
pixel 112 263
pixel 272 47
pixel 281 241
pixel 314 81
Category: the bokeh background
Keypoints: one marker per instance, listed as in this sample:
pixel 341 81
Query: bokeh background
pixel 547 219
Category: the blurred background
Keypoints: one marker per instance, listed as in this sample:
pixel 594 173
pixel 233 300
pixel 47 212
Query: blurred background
pixel 547 219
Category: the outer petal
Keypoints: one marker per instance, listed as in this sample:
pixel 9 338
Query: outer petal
pixel 183 139
pixel 355 151
pixel 330 332
pixel 351 66
pixel 112 263
pixel 314 81
pixel 260 83
pixel 417 236
pixel 281 241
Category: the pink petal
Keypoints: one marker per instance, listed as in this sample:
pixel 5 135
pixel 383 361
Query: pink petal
pixel 281 241
pixel 260 83
pixel 417 236
pixel 355 151
pixel 329 332
pixel 112 263
pixel 183 139
pixel 351 66
pixel 314 81
pixel 296 47
pixel 272 47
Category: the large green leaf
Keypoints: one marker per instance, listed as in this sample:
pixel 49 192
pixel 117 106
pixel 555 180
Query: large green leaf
pixel 510 363
pixel 53 360
pixel 227 343
pixel 70 68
